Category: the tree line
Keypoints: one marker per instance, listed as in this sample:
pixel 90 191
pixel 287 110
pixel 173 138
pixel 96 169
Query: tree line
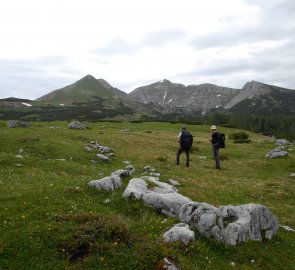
pixel 280 126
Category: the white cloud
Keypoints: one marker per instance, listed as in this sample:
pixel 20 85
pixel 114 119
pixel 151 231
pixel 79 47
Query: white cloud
pixel 47 44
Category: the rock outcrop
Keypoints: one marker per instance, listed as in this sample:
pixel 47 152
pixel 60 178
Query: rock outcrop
pixel 230 224
pixel 160 195
pixel 226 224
pixel 283 142
pixel 17 123
pixel 277 152
pixel 76 125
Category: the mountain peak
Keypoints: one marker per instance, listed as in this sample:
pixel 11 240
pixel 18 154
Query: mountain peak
pixel 87 77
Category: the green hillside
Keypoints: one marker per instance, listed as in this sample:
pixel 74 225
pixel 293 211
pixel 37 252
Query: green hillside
pixel 86 89
pixel 51 219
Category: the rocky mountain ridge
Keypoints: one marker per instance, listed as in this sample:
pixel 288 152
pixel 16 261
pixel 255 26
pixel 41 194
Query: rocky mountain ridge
pixel 160 101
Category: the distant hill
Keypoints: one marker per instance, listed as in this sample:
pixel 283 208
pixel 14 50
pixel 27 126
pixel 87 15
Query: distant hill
pixel 15 103
pixel 86 89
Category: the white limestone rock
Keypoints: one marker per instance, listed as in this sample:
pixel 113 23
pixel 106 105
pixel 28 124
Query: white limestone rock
pixel 168 203
pixel 287 228
pixel 135 188
pixel 230 224
pixel 173 182
pixel 180 232
pixel 17 123
pixel 103 157
pixel 277 152
pixel 109 183
pixel 76 125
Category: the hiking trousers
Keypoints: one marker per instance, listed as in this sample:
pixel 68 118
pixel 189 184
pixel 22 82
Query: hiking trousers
pixel 215 149
pixel 179 151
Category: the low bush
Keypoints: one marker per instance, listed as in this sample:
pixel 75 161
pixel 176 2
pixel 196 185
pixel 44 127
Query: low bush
pixel 239 137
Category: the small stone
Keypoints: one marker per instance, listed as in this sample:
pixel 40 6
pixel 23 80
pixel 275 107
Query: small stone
pixel 106 201
pixel 19 156
pixel 155 174
pixel 292 174
pixel 173 182
pixel 127 162
pixel 287 228
pixel 102 157
pixel 252 261
pixel 232 264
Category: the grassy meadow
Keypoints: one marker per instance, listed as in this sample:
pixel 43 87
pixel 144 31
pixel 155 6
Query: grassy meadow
pixel 51 219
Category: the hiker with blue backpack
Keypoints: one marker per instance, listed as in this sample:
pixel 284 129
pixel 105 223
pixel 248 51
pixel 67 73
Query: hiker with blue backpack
pixel 217 140
pixel 185 140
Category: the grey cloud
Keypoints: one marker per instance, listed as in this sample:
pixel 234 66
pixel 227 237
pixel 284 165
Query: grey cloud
pixel 271 66
pixel 276 24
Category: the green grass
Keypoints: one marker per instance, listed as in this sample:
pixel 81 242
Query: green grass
pixel 51 219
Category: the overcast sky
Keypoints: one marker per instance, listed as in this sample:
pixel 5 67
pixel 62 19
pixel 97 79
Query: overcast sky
pixel 48 44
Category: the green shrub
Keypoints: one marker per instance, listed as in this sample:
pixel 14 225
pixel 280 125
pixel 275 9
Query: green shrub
pixel 239 137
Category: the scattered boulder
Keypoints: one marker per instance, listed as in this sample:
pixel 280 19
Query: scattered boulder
pixel 76 125
pixel 292 174
pixel 103 157
pixel 180 232
pixel 230 224
pixel 17 123
pixel 109 183
pixel 282 142
pixel 277 152
pixel 94 145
